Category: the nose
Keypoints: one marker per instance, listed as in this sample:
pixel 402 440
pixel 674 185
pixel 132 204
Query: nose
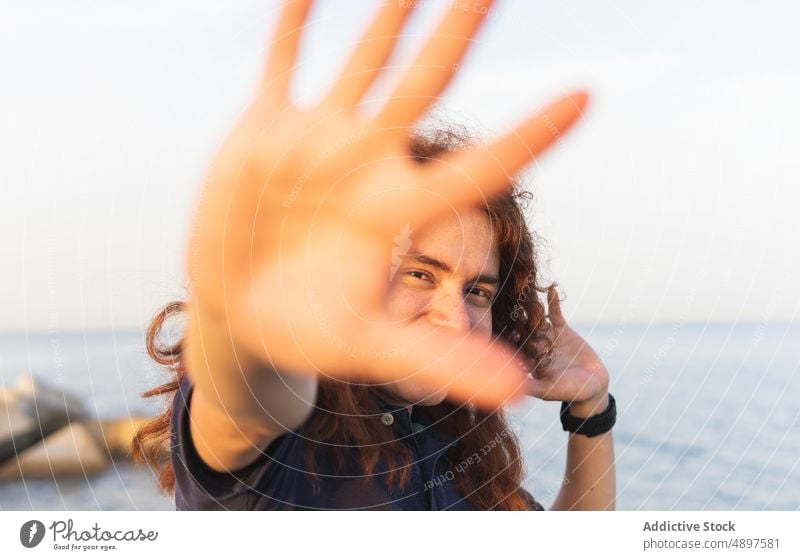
pixel 449 310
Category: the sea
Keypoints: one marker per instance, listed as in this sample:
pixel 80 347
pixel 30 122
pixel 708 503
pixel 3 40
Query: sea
pixel 708 416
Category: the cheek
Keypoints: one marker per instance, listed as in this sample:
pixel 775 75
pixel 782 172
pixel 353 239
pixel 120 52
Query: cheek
pixel 481 321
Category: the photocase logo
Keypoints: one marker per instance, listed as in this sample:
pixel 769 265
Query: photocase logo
pixel 31 533
pixel 402 243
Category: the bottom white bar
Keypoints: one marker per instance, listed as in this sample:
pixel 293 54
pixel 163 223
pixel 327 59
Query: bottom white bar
pixel 513 535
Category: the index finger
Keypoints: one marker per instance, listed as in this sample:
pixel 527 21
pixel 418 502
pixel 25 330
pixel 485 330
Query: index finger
pixel 486 374
pixel 470 175
pixel 474 175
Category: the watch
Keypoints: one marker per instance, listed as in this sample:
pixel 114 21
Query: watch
pixel 592 426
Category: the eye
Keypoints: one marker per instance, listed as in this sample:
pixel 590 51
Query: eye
pixel 482 294
pixel 419 275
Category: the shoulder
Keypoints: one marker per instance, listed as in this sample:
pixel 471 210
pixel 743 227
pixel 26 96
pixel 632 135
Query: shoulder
pixel 198 486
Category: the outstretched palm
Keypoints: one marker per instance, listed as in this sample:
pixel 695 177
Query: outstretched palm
pixel 292 239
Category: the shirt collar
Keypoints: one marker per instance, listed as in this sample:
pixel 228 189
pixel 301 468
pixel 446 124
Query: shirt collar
pixel 403 424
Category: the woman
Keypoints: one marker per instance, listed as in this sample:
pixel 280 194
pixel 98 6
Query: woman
pixel 364 300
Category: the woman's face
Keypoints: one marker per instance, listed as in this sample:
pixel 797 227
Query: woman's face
pixel 447 277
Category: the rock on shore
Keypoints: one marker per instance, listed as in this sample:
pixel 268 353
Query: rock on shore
pixel 47 433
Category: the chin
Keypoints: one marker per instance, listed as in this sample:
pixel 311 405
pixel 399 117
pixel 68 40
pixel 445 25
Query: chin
pixel 430 398
pixel 414 394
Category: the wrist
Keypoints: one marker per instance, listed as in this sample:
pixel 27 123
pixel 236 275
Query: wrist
pixel 590 407
pixel 594 423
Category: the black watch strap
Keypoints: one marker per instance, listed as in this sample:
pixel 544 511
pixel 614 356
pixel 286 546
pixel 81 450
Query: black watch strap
pixel 592 426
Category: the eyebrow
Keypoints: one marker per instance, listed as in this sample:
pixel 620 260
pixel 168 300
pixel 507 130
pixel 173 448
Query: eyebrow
pixel 422 258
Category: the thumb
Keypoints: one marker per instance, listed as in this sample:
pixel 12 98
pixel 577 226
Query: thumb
pixel 486 374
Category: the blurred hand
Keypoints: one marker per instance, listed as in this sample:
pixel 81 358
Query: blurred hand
pixel 291 243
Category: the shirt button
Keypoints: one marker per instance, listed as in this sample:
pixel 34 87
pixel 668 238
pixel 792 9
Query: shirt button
pixel 387 419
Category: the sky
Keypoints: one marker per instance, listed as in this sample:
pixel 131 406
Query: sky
pixel 674 200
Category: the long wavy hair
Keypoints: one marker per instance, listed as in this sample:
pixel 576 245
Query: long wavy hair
pixel 518 317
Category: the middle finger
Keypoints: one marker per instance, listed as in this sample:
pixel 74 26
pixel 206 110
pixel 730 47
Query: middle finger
pixel 436 63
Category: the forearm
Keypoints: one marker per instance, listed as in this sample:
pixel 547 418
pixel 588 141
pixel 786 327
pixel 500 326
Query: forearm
pixel 246 388
pixel 590 476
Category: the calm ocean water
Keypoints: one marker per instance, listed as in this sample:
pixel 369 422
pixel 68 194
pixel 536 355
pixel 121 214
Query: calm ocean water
pixel 709 416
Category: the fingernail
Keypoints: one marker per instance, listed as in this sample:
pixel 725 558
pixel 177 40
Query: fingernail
pixel 580 98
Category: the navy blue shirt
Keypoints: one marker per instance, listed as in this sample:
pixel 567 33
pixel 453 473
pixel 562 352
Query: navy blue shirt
pixel 278 479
